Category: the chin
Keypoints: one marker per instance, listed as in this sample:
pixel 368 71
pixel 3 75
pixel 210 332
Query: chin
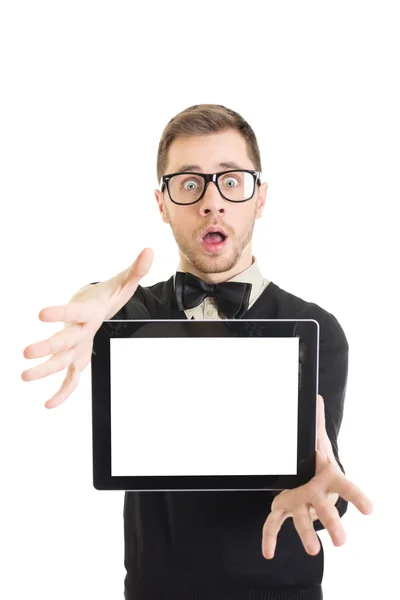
pixel 217 263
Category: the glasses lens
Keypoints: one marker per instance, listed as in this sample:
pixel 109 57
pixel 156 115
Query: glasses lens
pixel 235 185
pixel 186 188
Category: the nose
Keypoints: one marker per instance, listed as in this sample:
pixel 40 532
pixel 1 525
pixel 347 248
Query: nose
pixel 212 200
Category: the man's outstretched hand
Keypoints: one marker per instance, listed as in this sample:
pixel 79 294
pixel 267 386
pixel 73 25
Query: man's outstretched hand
pixel 315 500
pixel 71 348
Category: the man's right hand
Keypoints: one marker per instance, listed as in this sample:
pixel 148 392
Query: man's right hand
pixel 82 316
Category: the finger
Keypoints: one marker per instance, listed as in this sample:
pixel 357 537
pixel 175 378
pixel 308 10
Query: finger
pixel 140 267
pixel 328 514
pixel 352 493
pixel 62 340
pixel 69 384
pixel 305 528
pixel 270 532
pixel 119 289
pixel 320 417
pixel 322 435
pixel 56 363
pixel 122 286
pixel 72 378
pixel 73 312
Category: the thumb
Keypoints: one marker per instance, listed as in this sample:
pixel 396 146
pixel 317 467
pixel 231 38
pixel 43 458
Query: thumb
pixel 119 289
pixel 324 444
pixel 140 267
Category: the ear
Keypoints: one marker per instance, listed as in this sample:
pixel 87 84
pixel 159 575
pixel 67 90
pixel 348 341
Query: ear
pixel 261 200
pixel 161 205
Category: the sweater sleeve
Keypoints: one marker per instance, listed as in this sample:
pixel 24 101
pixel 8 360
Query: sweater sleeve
pixel 332 383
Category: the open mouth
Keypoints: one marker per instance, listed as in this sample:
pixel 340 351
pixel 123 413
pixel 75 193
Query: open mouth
pixel 214 240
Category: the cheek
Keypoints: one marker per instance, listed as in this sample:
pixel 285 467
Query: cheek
pixel 242 219
pixel 186 223
pixel 183 225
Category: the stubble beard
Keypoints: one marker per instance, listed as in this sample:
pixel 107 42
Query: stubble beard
pixel 214 263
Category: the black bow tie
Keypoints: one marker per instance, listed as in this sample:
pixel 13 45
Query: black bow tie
pixel 232 297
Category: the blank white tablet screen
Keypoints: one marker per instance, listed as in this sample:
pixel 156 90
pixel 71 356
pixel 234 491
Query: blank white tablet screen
pixel 204 406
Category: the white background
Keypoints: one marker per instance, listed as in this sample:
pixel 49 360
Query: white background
pixel 86 90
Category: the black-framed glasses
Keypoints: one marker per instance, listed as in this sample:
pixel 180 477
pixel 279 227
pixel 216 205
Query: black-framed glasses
pixel 235 185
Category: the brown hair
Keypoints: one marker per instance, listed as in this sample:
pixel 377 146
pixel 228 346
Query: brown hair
pixel 202 119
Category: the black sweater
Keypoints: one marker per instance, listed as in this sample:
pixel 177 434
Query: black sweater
pixel 203 545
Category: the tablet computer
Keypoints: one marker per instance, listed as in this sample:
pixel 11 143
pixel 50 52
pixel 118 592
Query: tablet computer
pixel 204 405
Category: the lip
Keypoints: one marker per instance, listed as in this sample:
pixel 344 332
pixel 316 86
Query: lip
pixel 214 230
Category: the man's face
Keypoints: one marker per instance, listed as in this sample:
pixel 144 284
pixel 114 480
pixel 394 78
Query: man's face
pixel 188 223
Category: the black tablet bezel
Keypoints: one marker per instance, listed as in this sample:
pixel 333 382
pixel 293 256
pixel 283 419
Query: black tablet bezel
pixel 307 330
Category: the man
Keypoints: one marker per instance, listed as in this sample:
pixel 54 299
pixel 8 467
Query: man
pixel 215 544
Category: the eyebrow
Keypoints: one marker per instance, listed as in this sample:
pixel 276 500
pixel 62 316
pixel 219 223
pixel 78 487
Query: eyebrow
pixel 226 165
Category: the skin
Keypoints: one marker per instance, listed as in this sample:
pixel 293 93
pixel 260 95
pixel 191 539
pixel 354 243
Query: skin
pixel 189 222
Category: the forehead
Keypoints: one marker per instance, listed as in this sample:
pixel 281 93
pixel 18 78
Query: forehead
pixel 209 153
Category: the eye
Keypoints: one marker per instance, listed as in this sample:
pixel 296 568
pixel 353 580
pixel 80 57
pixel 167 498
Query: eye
pixel 230 181
pixel 190 184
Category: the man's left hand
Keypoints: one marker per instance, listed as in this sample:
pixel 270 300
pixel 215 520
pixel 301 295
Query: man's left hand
pixel 315 500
